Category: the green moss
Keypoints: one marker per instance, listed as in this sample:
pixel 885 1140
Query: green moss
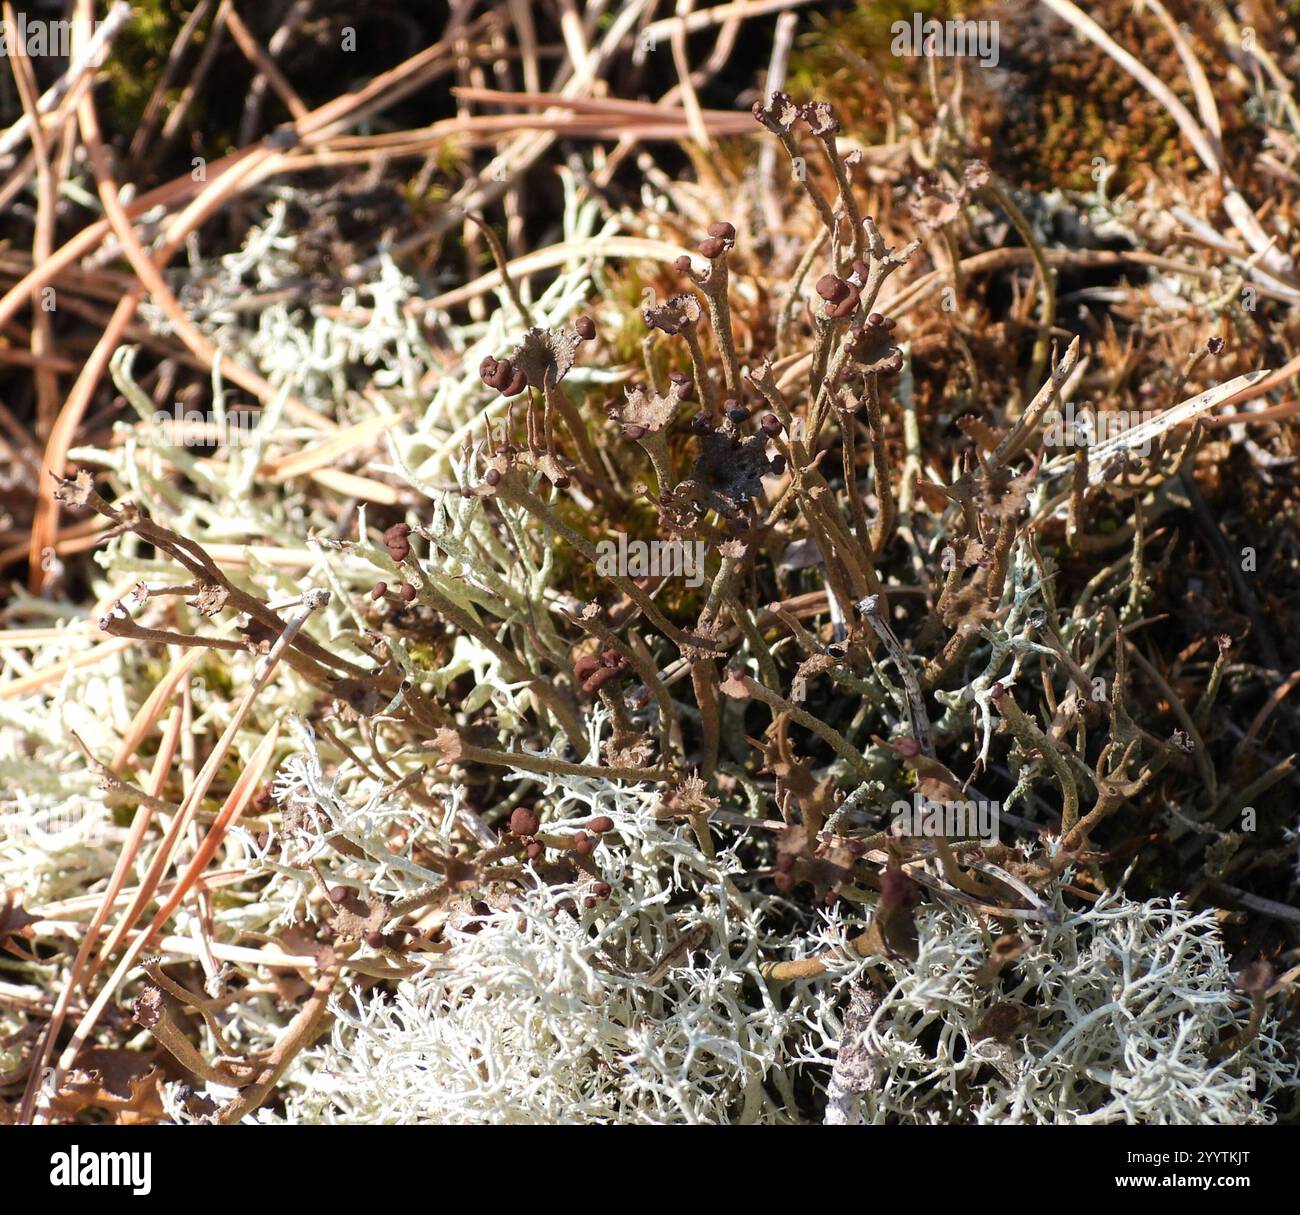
pixel 865 31
pixel 824 63
pixel 625 292
pixel 139 55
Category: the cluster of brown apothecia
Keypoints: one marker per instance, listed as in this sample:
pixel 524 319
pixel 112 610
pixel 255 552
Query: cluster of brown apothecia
pixel 502 375
pixel 526 825
pixel 726 489
pixel 750 476
pixel 592 671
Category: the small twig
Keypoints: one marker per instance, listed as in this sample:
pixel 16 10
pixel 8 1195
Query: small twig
pixel 453 749
pixel 870 609
pixel 89 57
pixel 306 1027
pixel 741 685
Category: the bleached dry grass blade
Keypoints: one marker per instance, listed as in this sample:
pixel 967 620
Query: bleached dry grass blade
pixel 1145 433
pixel 151 711
pixel 352 486
pixel 40 1086
pixel 558 255
pixel 324 453
pixel 88 57
pixel 235 803
pixel 130 848
pixel 47 675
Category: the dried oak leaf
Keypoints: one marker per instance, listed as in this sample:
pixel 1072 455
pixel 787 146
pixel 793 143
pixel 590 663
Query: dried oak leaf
pixel 547 355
